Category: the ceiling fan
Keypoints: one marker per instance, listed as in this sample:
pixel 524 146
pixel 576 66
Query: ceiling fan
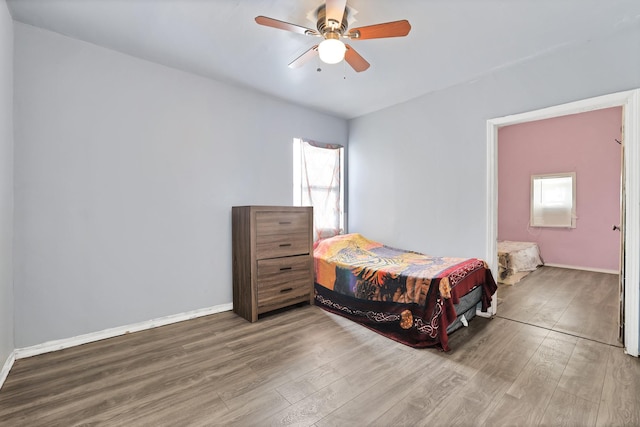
pixel 332 26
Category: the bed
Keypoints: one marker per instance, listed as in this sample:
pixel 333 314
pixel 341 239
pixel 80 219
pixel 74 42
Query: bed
pixel 516 260
pixel 409 297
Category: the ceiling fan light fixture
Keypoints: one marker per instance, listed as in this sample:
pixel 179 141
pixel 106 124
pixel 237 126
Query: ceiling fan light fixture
pixel 331 51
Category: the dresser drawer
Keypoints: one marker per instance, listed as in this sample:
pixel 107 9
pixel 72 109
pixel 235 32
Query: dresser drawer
pixel 277 271
pixel 281 245
pixel 282 281
pixel 278 223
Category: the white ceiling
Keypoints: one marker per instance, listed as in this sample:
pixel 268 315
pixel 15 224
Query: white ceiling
pixel 451 41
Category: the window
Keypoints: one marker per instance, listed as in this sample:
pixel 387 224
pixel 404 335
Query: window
pixel 553 200
pixel 318 181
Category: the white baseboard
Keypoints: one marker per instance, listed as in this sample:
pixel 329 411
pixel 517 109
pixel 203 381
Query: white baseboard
pixel 573 267
pixel 21 353
pixel 8 364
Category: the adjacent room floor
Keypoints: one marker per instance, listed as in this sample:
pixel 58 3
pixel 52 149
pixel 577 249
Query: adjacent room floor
pixel 576 302
pixel 307 367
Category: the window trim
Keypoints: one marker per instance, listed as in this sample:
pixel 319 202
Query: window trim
pixel 572 175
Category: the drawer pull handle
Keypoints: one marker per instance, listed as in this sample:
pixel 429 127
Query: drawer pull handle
pixel 286 268
pixel 284 222
pixel 284 245
pixel 282 291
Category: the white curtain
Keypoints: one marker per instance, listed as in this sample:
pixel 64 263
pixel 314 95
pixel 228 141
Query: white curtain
pixel 318 183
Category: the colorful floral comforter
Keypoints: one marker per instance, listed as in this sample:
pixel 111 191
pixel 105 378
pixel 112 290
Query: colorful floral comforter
pixel 407 296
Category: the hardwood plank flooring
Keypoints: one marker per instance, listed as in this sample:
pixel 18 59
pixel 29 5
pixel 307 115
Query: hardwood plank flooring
pixel 576 302
pixel 307 367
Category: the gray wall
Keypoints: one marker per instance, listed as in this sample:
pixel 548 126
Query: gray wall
pixel 125 174
pixel 6 183
pixel 417 171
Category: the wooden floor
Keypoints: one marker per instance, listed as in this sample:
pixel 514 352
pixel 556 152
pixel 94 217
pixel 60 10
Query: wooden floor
pixel 308 367
pixel 576 302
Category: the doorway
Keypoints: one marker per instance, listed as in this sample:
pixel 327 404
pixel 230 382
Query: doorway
pixel 542 205
pixel 630 101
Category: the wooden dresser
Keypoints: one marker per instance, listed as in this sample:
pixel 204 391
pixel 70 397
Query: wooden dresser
pixel 272 258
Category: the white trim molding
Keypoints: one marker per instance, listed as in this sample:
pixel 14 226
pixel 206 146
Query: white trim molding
pixel 630 101
pixel 8 364
pixel 49 346
pixel 574 267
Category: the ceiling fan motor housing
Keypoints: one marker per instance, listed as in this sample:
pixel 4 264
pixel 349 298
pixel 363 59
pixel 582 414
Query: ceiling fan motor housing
pixel 333 26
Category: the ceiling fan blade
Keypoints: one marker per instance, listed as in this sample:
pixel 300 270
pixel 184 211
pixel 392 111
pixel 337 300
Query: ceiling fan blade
pixel 304 58
pixel 354 59
pixel 378 31
pixel 334 10
pixel 270 22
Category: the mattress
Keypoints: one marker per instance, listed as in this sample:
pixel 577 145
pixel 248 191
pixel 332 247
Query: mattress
pixel 516 260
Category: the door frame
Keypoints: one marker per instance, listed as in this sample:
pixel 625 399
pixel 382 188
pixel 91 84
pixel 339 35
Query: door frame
pixel 630 101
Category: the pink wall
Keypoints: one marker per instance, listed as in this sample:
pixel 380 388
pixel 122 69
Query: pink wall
pixel 582 143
